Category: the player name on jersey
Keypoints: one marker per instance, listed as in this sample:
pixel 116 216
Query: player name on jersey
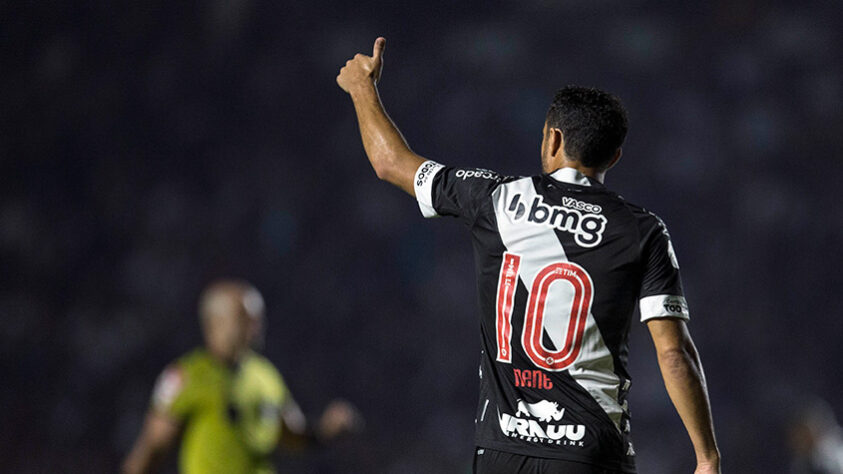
pixel 532 379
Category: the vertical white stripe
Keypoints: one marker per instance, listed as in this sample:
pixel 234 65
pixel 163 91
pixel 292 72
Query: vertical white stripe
pixel 539 247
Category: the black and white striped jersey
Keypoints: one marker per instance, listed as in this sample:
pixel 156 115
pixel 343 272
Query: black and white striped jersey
pixel 560 263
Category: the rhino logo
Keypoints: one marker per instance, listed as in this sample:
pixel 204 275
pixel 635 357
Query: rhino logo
pixel 544 410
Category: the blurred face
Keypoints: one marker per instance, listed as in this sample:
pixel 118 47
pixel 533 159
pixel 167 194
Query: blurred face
pixel 226 334
pixel 232 318
pixel 227 327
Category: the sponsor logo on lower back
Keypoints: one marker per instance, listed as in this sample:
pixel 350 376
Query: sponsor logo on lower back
pixel 543 410
pixel 539 423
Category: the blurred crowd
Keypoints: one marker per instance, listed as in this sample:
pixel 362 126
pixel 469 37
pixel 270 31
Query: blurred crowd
pixel 150 147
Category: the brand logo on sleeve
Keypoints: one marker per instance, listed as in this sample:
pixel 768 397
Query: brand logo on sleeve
pixel 477 173
pixel 675 305
pixel 427 169
pixel 581 219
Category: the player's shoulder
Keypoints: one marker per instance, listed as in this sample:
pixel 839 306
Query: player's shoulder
pixel 258 361
pixel 196 359
pixel 648 225
pixel 259 366
pixel 646 218
pixel 173 381
pixel 177 372
pixel 262 371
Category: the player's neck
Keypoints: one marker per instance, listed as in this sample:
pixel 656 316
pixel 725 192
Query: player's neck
pixel 227 360
pixel 593 173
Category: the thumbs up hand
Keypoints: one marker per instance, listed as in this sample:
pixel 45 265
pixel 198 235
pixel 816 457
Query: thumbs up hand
pixel 362 70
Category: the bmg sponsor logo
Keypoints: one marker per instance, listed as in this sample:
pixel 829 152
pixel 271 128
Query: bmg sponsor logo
pixel 537 423
pixel 587 227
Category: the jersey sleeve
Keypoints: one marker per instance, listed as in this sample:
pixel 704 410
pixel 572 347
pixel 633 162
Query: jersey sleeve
pixel 259 392
pixel 661 286
pixel 447 191
pixel 171 395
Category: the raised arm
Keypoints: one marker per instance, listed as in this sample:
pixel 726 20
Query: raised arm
pixel 388 152
pixel 685 382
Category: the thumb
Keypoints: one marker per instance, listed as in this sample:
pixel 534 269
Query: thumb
pixel 377 51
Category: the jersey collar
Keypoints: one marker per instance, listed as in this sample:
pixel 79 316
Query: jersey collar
pixel 570 176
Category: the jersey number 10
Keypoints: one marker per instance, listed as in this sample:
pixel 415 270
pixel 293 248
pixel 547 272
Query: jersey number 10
pixel 531 336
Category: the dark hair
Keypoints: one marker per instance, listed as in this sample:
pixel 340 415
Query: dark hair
pixel 593 124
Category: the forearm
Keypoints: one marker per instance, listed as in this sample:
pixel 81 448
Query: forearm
pixel 159 434
pixel 291 441
pixel 388 152
pixel 142 459
pixel 338 418
pixel 685 382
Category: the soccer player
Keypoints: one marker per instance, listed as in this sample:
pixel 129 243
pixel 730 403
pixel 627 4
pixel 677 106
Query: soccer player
pixel 228 404
pixel 560 262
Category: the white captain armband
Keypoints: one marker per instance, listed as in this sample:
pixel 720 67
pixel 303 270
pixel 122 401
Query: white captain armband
pixel 664 306
pixel 423 186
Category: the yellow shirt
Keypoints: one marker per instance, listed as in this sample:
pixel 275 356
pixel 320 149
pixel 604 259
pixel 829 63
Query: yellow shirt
pixel 231 416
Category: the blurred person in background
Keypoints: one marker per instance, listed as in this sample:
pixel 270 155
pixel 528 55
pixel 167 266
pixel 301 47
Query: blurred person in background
pixel 815 439
pixel 554 399
pixel 227 404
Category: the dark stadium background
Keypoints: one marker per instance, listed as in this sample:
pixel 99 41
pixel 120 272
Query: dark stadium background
pixel 147 148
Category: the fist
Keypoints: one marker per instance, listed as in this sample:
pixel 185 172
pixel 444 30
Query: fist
pixel 362 70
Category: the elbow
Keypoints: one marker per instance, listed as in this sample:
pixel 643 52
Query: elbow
pixel 383 172
pixel 673 356
pixel 389 163
pixel 679 361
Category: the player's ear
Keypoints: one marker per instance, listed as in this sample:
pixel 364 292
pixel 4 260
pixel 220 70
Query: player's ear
pixel 556 141
pixel 615 158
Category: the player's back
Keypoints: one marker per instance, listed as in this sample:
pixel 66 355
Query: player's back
pixel 560 262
